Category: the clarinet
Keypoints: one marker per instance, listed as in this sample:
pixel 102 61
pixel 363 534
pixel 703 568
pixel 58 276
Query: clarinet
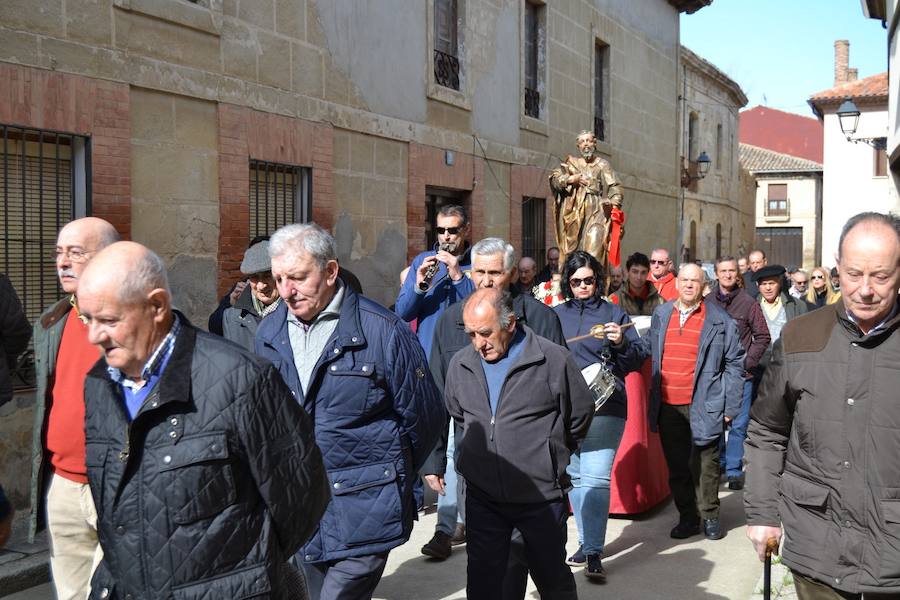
pixel 432 270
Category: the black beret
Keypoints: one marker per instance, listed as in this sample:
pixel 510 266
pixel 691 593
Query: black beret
pixel 769 271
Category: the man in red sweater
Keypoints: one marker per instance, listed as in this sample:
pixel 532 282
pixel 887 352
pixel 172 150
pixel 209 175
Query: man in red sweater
pixel 63 356
pixel 661 274
pixel 696 381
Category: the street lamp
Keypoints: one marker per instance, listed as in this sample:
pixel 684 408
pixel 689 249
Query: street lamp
pixel 703 161
pixel 848 117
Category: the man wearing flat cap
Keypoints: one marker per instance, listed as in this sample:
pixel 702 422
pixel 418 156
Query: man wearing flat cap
pixel 778 307
pixel 258 299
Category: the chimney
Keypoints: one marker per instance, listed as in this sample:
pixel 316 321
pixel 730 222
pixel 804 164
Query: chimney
pixel 852 74
pixel 841 61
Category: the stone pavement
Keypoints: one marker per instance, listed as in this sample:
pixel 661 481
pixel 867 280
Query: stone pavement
pixel 23 565
pixel 642 563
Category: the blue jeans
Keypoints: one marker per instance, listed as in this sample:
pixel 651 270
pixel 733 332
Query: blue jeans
pixel 732 451
pixel 450 506
pixel 591 471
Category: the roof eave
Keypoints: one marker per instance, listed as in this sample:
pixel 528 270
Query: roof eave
pixel 689 6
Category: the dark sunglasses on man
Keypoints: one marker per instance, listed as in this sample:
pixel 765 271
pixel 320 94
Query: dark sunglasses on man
pixel 450 230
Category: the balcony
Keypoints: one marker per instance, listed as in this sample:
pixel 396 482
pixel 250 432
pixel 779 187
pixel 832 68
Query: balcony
pixel 778 209
pixel 446 70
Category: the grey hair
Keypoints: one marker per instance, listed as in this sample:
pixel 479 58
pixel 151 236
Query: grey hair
pixel 147 273
pixel 454 210
pixel 889 220
pixel 304 238
pixel 685 265
pixel 502 303
pixel 492 246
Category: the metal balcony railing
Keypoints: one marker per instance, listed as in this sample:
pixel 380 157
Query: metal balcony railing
pixel 599 128
pixel 532 103
pixel 778 208
pixel 446 70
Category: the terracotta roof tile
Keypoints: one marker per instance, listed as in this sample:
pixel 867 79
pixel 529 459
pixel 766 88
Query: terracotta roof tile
pixel 756 160
pixel 869 88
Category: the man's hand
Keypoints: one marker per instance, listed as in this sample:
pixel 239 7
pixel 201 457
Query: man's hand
pixel 728 419
pixel 420 272
pixel 237 291
pixel 760 536
pixel 452 263
pixel 436 482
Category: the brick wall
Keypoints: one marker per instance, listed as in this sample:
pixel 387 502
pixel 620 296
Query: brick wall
pixel 84 106
pixel 245 133
pixel 427 168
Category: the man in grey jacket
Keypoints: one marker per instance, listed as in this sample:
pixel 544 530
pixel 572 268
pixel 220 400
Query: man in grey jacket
pixel 824 433
pixel 522 407
pixel 259 298
pixel 697 377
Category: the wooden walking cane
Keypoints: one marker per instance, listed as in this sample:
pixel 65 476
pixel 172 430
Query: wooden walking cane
pixel 771 548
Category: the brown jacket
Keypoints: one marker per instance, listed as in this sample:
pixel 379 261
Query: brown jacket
pixel 632 305
pixel 823 451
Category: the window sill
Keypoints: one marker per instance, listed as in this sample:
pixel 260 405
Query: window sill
pixel 193 16
pixel 449 96
pixel 777 218
pixel 538 126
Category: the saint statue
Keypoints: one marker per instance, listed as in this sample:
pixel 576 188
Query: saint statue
pixel 587 210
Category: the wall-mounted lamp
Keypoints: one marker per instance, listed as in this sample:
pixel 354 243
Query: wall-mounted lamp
pixel 703 163
pixel 848 117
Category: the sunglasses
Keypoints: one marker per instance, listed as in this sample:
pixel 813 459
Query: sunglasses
pixel 450 230
pixel 818 277
pixel 588 281
pixel 659 262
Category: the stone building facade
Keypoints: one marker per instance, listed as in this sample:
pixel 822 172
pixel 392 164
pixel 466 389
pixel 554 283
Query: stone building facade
pixel 718 209
pixel 190 124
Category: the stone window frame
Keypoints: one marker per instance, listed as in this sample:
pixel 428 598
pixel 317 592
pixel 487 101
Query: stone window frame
pixel 461 98
pixel 202 15
pixel 537 125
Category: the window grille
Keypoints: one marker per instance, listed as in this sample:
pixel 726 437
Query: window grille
pixel 279 195
pixel 601 54
pixel 532 96
pixel 446 60
pixel 533 227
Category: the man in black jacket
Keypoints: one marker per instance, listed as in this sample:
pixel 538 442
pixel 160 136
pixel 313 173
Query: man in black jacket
pixel 493 266
pixel 15 331
pixel 522 408
pixel 203 468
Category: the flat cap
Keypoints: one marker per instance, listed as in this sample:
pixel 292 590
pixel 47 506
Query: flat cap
pixel 256 259
pixel 769 271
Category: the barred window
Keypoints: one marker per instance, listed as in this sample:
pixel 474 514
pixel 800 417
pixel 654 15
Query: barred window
pixel 533 227
pixel 279 195
pixel 43 186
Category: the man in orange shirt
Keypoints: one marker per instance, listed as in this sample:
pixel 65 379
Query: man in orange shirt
pixel 63 356
pixel 661 274
pixel 696 383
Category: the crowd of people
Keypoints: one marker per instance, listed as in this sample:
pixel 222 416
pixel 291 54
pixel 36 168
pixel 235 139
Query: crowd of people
pixel 283 453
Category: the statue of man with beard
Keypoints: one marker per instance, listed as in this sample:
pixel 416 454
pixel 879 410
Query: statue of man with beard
pixel 588 201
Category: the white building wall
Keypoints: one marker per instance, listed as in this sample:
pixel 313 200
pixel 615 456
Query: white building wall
pixel 850 185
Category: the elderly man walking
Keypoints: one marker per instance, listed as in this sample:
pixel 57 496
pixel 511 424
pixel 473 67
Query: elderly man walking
pixel 824 433
pixel 522 408
pixel 205 472
pixel 60 497
pixel 697 377
pixel 359 370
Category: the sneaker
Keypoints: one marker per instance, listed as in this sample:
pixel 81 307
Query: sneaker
pixel 712 529
pixel 685 529
pixel 735 483
pixel 593 569
pixel 578 559
pixel 459 535
pixel 438 547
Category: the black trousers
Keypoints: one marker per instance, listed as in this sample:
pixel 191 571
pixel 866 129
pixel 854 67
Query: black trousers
pixel 490 524
pixel 352 578
pixel 693 470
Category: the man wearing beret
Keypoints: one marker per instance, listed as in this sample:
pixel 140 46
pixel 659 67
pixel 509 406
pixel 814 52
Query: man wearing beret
pixel 778 307
pixel 258 299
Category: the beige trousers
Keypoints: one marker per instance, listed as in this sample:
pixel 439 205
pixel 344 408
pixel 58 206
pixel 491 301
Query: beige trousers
pixel 74 549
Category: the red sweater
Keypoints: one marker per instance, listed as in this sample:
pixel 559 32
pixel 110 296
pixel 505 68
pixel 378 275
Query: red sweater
pixel 679 357
pixel 65 425
pixel 665 285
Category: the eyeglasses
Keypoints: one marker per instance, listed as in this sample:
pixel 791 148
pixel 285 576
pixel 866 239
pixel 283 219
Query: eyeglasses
pixel 818 277
pixel 588 281
pixel 76 255
pixel 659 262
pixel 450 230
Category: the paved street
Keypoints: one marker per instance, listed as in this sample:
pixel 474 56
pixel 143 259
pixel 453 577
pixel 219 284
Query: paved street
pixel 642 562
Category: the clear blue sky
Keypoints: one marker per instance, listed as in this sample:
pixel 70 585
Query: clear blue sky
pixel 782 51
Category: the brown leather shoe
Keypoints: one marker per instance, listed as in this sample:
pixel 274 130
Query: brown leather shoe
pixel 438 547
pixel 459 536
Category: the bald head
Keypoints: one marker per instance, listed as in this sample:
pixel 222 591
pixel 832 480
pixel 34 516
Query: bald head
pixel 490 322
pixel 689 283
pixel 527 271
pixel 77 243
pixel 124 298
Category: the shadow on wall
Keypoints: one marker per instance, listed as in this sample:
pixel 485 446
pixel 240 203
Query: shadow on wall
pixel 379 273
pixel 192 280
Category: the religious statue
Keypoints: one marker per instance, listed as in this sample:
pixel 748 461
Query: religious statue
pixel 587 210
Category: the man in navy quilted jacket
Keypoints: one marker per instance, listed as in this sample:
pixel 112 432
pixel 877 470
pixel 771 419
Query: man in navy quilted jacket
pixel 361 374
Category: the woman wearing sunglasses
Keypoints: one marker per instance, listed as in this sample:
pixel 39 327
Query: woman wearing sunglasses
pixel 821 292
pixel 621 351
